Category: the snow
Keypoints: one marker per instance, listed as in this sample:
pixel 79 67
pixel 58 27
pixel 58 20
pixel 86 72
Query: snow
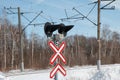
pixel 2 76
pixel 107 72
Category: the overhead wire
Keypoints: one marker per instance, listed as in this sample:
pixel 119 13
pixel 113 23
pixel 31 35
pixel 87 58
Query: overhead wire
pixel 82 5
pixel 50 18
pixel 66 13
pixel 44 17
pixel 32 20
pixel 25 17
pixel 91 9
pixel 84 16
pixel 76 16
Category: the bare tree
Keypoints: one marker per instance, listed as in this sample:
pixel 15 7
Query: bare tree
pixel 106 36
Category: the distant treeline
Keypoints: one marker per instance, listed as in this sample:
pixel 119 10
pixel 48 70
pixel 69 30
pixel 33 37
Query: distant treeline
pixel 80 50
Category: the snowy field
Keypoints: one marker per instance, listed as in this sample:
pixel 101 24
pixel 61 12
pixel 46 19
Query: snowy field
pixel 108 72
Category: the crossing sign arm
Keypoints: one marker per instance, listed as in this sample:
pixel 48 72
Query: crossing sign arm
pixel 57 52
pixel 58 67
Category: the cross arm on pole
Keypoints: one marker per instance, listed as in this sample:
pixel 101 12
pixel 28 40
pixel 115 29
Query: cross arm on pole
pixel 31 21
pixel 85 16
pixel 104 7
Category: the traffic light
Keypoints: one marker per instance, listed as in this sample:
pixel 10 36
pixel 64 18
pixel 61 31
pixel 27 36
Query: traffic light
pixel 49 29
pixel 64 29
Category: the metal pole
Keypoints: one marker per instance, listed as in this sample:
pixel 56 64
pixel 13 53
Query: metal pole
pixel 98 37
pixel 56 75
pixel 20 41
pixel 55 42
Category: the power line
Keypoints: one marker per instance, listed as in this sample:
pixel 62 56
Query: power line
pixel 25 17
pixel 105 6
pixel 91 9
pixel 10 12
pixel 79 13
pixel 32 20
pixel 96 24
pixel 66 13
pixel 44 17
pixel 49 17
pixel 21 31
pixel 84 16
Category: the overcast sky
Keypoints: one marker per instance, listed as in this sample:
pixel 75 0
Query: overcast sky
pixel 54 10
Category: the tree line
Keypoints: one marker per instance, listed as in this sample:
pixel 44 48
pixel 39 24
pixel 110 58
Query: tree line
pixel 80 50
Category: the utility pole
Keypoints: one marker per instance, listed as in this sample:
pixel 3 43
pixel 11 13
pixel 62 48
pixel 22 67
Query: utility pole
pixel 21 41
pixel 21 30
pixel 98 37
pixel 104 7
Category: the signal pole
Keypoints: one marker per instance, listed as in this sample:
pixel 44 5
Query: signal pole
pixel 98 37
pixel 54 38
pixel 20 41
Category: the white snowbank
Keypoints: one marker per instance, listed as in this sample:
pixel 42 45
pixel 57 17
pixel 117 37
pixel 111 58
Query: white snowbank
pixel 2 76
pixel 108 72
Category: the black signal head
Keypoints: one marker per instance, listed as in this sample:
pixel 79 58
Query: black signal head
pixel 64 29
pixel 49 29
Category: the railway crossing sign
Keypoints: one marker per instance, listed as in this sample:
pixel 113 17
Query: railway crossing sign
pixel 57 54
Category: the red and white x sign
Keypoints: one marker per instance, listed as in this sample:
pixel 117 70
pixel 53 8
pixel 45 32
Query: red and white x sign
pixel 55 69
pixel 57 52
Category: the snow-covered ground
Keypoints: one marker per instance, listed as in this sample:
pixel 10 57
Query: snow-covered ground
pixel 108 72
